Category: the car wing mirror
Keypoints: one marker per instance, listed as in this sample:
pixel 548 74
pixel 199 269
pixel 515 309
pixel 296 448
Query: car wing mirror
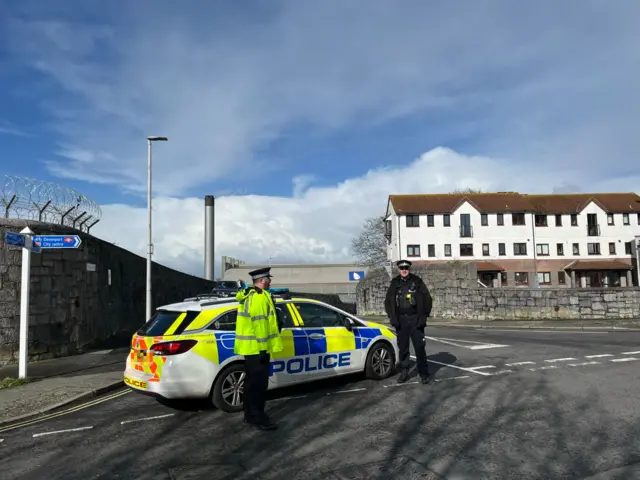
pixel 348 324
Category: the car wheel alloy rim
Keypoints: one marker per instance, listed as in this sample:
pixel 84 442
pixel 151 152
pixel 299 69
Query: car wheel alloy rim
pixel 232 387
pixel 381 361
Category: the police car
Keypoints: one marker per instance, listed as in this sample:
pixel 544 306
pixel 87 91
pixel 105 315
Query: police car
pixel 186 349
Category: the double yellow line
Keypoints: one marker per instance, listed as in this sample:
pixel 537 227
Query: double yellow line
pixel 66 412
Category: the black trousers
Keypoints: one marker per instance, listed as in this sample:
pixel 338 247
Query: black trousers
pixel 409 331
pixel 255 386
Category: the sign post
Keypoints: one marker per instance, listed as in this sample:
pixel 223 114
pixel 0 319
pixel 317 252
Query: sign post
pixel 24 302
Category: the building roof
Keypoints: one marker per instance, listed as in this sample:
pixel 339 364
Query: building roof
pixel 514 202
pixel 585 265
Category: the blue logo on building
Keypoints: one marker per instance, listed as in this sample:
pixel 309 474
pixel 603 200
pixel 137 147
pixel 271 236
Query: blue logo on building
pixel 355 276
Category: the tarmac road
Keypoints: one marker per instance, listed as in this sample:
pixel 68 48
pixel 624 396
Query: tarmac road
pixel 524 404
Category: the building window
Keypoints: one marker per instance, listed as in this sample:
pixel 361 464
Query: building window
pixel 413 250
pixel 521 278
pixel 502 250
pixel 466 250
pixel 610 219
pixel 503 279
pixel 625 219
pixel 501 219
pixel 542 249
pixel 561 278
pixel 484 220
pixel 517 219
pixel 519 248
pixel 446 220
pixel 413 220
pixel 387 227
pixel 431 250
pixel 429 220
pixel 576 249
pixel 558 220
pixel 638 218
pixel 560 248
pixel 612 248
pixel 627 248
pixel 485 249
pixel 541 220
pixel 593 248
pixel 544 278
pixel 574 220
pixel 447 250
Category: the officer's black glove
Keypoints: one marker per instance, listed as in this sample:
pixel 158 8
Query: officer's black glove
pixel 264 357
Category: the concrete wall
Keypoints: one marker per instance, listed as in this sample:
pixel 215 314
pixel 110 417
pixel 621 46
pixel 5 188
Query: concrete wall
pixel 73 308
pixel 456 296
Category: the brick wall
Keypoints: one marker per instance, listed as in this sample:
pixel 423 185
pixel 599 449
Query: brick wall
pixel 73 308
pixel 457 295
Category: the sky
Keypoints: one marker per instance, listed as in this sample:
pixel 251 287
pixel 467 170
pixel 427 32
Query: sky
pixel 302 117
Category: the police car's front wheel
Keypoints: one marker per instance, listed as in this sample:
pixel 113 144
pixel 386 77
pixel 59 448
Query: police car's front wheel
pixel 380 361
pixel 227 391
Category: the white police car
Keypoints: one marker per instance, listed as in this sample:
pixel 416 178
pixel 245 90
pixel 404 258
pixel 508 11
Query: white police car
pixel 186 349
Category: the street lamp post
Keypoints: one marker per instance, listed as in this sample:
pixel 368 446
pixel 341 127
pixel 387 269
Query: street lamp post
pixel 149 236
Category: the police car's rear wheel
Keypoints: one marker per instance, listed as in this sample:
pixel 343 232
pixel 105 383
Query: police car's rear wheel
pixel 380 361
pixel 227 392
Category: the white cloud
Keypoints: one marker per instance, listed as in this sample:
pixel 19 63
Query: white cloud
pixel 546 86
pixel 315 226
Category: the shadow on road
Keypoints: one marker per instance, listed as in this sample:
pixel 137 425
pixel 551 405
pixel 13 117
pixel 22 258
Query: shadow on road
pixel 478 428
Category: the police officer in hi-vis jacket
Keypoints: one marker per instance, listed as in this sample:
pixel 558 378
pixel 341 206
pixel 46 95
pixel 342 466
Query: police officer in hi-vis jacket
pixel 408 304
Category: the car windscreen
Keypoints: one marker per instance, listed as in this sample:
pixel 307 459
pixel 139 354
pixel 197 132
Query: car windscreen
pixel 225 285
pixel 159 323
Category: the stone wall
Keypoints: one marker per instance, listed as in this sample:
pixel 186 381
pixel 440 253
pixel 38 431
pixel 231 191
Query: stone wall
pixel 457 295
pixel 74 307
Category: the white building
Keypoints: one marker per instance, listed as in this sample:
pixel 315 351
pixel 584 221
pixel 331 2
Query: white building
pixel 586 240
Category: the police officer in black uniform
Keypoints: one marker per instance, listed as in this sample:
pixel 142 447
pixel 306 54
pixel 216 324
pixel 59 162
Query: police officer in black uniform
pixel 408 304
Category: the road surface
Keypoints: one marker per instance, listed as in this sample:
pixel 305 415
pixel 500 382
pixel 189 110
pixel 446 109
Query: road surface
pixel 505 405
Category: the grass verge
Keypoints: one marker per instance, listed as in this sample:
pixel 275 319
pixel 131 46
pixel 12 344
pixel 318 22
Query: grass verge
pixel 9 382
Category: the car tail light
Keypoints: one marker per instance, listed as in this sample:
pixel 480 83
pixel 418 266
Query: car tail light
pixel 173 348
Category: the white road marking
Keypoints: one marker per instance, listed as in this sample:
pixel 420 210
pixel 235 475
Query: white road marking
pixel 400 384
pixel 458 343
pixel 631 353
pixel 599 356
pixel 500 372
pixel 452 378
pixel 628 359
pixel 482 366
pixel 1 440
pixel 147 418
pixel 560 359
pixel 519 363
pixel 582 364
pixel 454 366
pixel 533 330
pixel 546 367
pixel 101 352
pixel 61 431
pixel 347 391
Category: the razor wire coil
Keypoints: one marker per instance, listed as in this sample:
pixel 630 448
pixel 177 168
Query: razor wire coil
pixel 32 199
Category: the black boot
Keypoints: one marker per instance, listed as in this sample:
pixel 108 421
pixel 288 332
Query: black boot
pixel 425 378
pixel 404 376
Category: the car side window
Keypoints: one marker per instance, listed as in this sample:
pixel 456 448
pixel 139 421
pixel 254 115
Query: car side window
pixel 318 316
pixel 226 322
pixel 284 317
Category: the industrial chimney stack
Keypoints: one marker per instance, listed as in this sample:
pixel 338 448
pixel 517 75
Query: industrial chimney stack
pixel 209 232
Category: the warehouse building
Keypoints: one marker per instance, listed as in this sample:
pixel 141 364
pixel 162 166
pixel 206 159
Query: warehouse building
pixel 340 278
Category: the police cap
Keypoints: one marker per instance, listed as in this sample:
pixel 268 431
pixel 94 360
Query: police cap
pixel 403 263
pixel 261 273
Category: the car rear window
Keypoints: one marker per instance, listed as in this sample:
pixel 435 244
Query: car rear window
pixel 159 323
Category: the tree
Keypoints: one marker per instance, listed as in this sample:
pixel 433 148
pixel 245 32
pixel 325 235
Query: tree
pixel 370 245
pixel 467 190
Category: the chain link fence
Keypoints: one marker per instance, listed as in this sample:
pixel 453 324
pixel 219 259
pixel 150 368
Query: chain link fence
pixel 32 199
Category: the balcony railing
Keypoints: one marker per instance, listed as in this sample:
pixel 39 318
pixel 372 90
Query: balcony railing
pixel 466 231
pixel 593 230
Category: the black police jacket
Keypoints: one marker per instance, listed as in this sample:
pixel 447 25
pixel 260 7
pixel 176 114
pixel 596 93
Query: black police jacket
pixel 424 302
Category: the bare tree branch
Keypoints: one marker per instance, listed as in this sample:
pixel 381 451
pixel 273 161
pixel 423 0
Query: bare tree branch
pixel 370 246
pixel 467 190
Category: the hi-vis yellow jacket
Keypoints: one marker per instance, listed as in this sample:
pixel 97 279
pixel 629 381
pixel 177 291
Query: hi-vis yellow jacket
pixel 257 324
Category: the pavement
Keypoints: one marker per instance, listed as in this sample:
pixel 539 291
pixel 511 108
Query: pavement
pixel 525 404
pixel 60 382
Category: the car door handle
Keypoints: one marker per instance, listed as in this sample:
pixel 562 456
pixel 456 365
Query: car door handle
pixel 316 336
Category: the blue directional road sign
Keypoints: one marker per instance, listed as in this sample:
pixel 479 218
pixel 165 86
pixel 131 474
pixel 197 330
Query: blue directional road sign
pixel 14 239
pixel 354 276
pixel 57 241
